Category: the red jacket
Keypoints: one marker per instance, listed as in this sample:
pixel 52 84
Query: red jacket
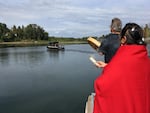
pixel 124 85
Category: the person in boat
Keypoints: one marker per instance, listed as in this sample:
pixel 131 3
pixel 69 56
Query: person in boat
pixel 124 84
pixel 111 42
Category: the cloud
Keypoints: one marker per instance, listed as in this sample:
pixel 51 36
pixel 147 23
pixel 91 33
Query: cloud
pixel 72 18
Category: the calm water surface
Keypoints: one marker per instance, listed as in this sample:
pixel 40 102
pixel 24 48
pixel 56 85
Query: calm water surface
pixel 35 80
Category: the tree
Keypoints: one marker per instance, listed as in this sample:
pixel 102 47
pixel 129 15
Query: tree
pixel 146 31
pixel 35 32
pixel 3 31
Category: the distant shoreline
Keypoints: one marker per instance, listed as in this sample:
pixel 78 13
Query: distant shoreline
pixel 40 43
pixel 35 43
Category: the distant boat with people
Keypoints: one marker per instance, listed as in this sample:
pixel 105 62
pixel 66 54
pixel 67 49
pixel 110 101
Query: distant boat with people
pixel 55 46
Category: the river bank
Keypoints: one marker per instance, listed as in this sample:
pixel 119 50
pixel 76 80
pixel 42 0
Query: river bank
pixel 35 43
pixel 41 43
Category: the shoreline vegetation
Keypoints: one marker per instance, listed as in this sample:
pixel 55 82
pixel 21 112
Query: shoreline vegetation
pixel 36 43
pixel 35 35
pixel 25 43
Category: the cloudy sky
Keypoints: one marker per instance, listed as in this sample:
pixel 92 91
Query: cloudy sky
pixel 73 18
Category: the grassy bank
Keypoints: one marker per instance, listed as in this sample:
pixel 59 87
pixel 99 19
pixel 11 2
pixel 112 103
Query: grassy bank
pixel 35 43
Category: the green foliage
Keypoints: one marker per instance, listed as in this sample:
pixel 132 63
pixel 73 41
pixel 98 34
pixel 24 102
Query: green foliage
pixel 146 31
pixel 30 32
pixel 3 31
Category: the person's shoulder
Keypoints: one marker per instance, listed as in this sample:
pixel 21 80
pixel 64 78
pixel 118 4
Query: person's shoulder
pixel 108 35
pixel 111 35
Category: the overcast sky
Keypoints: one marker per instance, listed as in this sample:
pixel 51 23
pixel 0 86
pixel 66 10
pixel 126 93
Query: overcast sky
pixel 73 18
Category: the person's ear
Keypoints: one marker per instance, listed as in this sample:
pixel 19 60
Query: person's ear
pixel 123 40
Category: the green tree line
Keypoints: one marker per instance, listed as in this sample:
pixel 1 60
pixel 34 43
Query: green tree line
pixel 30 32
pixel 35 32
pixel 146 31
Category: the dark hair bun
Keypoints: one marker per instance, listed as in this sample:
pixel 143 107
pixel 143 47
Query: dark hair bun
pixel 133 33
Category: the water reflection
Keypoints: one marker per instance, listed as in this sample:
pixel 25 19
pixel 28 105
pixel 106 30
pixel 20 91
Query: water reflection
pixel 4 57
pixel 82 51
pixel 27 56
pixel 34 80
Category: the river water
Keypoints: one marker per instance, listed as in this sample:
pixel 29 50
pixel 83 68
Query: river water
pixel 36 80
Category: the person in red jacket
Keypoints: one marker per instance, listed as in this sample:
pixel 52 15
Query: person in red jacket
pixel 124 84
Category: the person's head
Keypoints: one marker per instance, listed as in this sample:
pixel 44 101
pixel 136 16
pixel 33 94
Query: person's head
pixel 116 25
pixel 132 33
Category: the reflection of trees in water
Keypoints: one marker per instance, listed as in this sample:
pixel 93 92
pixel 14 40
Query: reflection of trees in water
pixel 24 56
pixel 4 57
pixel 33 58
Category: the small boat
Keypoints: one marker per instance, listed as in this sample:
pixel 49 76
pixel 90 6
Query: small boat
pixel 55 46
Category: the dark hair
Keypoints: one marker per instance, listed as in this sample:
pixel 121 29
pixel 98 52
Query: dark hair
pixel 116 24
pixel 133 33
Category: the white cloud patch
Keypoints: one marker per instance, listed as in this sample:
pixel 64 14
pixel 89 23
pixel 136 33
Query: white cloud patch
pixel 72 18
